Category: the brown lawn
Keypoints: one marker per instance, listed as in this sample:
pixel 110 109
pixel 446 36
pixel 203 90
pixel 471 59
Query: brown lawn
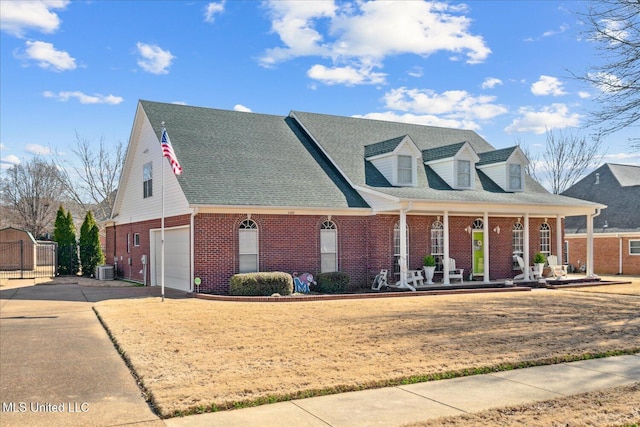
pixel 192 354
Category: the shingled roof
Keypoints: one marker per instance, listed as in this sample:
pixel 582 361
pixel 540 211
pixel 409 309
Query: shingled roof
pixel 239 158
pixel 614 185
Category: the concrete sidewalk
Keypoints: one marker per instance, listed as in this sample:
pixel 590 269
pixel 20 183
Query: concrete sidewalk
pixel 59 367
pixel 395 406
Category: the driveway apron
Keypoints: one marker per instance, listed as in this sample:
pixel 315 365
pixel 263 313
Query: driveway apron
pixel 58 365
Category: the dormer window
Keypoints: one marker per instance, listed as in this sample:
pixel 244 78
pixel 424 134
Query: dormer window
pixel 464 174
pixel 405 170
pixel 515 177
pixel 396 159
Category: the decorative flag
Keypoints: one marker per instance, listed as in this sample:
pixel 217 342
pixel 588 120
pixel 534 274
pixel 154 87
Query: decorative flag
pixel 167 151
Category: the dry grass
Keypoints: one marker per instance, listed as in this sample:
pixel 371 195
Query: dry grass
pixel 619 406
pixel 193 355
pixel 631 288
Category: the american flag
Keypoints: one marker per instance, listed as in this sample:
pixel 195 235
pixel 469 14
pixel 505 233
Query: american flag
pixel 167 151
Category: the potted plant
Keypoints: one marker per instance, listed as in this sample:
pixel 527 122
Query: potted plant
pixel 538 261
pixel 429 263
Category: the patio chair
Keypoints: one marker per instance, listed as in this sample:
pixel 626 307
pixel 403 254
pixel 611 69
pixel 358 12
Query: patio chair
pixel 555 268
pixel 533 273
pixel 414 278
pixel 455 273
pixel 380 281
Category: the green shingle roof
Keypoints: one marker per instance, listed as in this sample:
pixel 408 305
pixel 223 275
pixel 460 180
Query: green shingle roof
pixel 238 158
pixel 382 147
pixel 497 156
pixel 443 152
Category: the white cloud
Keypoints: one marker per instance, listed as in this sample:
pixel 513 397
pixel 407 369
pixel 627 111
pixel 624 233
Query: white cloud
pixel 584 95
pixel 18 16
pixel 213 9
pixel 348 75
pixel 37 149
pixel 9 161
pixel 547 85
pixel 416 71
pixel 607 82
pixel 240 107
pixel 83 98
pixel 491 82
pixel 48 57
pixel 154 59
pixel 361 34
pixel 555 116
pixel 453 104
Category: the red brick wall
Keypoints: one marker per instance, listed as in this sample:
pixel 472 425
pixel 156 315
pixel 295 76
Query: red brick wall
pixel 606 254
pixel 129 263
pixel 292 243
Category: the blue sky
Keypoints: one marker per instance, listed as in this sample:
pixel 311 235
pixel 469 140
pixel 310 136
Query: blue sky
pixel 501 68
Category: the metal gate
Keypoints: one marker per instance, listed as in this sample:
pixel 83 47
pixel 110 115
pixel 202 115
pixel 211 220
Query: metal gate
pixel 25 260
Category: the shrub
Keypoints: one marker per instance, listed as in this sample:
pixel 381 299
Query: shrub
pixel 332 283
pixel 539 258
pixel 261 284
pixel 429 261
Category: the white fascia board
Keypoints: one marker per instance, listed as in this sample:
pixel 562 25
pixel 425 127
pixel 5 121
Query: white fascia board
pixel 379 156
pixel 597 235
pixel 412 146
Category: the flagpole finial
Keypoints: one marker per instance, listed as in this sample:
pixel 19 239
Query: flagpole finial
pixel 162 123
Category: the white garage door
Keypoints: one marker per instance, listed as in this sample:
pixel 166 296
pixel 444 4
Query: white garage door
pixel 176 258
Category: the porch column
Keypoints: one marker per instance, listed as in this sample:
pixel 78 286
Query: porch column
pixel 590 244
pixel 559 245
pixel 403 247
pixel 445 238
pixel 525 253
pixel 485 254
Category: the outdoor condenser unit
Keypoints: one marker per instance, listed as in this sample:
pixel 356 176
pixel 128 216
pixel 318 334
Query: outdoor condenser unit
pixel 105 272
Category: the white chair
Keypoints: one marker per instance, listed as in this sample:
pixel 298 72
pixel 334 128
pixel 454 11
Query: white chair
pixel 455 273
pixel 555 268
pixel 414 278
pixel 380 281
pixel 533 272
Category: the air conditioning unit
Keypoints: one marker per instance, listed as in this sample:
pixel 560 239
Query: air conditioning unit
pixel 105 272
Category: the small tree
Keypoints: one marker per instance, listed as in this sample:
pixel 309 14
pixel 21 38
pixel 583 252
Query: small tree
pixel 91 253
pixel 64 233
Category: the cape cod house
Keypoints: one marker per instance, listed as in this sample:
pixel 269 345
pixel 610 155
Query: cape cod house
pixel 617 229
pixel 313 192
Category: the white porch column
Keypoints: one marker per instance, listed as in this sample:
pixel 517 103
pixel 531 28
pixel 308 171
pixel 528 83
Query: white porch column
pixel 590 218
pixel 485 255
pixel 559 246
pixel 445 238
pixel 525 253
pixel 403 247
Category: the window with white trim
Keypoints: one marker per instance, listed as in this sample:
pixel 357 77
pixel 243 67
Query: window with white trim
pixel 515 177
pixel 517 233
pixel 248 246
pixel 147 180
pixel 405 170
pixel 634 247
pixel 328 247
pixel 545 239
pixel 136 239
pixel 396 247
pixel 464 174
pixel 437 243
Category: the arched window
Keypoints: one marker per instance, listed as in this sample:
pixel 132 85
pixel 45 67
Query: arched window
pixel 328 247
pixel 437 243
pixel 545 239
pixel 517 233
pixel 396 247
pixel 248 246
pixel 478 224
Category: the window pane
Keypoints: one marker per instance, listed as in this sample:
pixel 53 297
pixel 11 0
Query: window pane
pixel 248 241
pixel 464 173
pixel 634 247
pixel 405 169
pixel 545 239
pixel 328 262
pixel 515 177
pixel 328 243
pixel 248 263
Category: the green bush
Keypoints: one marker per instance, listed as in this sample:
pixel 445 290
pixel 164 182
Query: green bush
pixel 335 282
pixel 261 284
pixel 539 258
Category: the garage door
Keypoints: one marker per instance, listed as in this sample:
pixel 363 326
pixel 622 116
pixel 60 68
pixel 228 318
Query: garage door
pixel 176 258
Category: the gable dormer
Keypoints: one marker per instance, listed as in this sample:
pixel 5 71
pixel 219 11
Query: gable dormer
pixel 505 167
pixel 396 159
pixel 454 163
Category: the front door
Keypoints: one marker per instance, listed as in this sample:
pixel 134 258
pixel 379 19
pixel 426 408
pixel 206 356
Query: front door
pixel 478 253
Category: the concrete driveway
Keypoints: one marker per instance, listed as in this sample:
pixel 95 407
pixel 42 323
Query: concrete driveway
pixel 59 366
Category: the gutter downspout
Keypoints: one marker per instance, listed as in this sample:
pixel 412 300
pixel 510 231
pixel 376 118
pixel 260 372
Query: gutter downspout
pixel 192 246
pixel 590 269
pixel 620 255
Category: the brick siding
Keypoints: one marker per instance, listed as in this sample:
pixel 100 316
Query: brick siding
pixel 606 254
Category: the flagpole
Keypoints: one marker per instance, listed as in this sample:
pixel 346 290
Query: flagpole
pixel 162 228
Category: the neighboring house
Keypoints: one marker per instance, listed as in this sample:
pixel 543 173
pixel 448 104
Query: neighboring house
pixel 312 192
pixel 616 229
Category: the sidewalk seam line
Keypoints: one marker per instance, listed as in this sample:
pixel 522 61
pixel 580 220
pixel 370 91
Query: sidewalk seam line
pixel 309 412
pixel 433 400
